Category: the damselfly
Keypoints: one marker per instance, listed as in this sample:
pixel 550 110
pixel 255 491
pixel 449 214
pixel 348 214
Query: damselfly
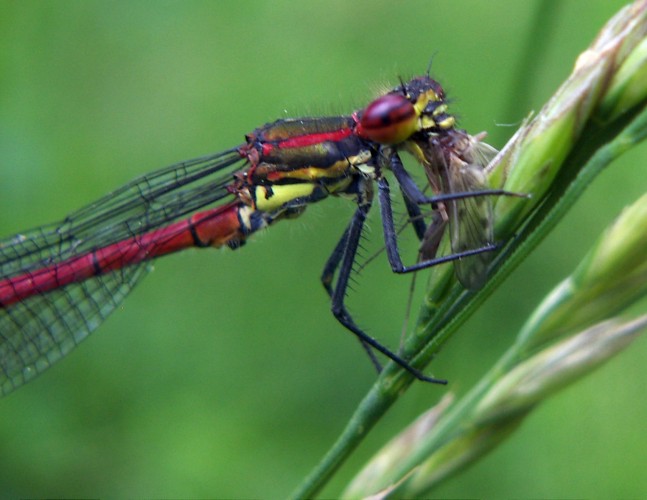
pixel 59 282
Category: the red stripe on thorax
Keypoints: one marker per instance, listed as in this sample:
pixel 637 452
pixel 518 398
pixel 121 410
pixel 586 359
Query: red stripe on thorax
pixel 308 140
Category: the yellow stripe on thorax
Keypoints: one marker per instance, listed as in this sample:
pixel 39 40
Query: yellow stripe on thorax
pixel 274 197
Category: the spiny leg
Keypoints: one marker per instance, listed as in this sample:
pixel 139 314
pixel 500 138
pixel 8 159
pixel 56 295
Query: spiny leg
pixel 391 243
pixel 327 276
pixel 344 260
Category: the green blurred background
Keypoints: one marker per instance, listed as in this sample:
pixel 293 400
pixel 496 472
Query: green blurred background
pixel 224 375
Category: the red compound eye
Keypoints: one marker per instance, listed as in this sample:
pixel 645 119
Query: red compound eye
pixel 390 119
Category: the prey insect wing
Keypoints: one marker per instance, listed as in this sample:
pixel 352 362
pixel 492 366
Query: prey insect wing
pixel 455 163
pixel 471 219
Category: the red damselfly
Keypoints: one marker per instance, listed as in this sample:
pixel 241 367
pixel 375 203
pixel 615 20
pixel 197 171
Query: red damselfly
pixel 59 282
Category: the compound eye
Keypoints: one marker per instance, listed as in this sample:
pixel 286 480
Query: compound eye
pixel 390 119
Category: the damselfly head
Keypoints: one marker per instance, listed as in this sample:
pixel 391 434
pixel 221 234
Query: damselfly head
pixel 417 106
pixel 428 99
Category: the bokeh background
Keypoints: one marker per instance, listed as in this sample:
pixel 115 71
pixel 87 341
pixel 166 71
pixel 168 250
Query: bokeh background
pixel 224 375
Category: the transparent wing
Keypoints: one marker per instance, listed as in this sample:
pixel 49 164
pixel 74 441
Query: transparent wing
pixel 470 219
pixel 148 202
pixel 42 329
pixel 37 331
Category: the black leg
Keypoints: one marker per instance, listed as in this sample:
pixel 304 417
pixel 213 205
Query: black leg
pixel 391 243
pixel 333 261
pixel 407 184
pixel 351 240
pixel 413 192
pixel 415 216
pixel 327 277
